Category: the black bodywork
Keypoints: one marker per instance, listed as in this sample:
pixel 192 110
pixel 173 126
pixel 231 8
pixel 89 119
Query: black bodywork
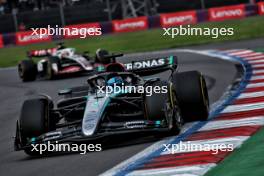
pixel 124 113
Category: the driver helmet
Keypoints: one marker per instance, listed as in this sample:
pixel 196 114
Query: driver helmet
pixel 117 80
pixel 60 46
pixel 101 53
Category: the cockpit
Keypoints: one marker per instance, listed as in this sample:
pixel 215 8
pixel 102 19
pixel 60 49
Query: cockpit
pixel 114 78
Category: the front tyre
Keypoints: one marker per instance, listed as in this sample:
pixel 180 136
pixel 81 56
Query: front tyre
pixel 34 121
pixel 192 95
pixel 164 107
pixel 52 66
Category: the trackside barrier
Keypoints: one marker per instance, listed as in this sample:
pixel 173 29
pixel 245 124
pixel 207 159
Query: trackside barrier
pixel 82 26
pixel 129 25
pixel 26 37
pixel 1 41
pixel 224 13
pixel 144 23
pixel 261 8
pixel 178 18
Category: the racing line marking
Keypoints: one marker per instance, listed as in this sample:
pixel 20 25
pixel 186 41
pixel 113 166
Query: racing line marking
pixel 233 121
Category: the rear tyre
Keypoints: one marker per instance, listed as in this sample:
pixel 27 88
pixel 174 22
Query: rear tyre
pixel 192 95
pixel 27 70
pixel 160 106
pixel 34 121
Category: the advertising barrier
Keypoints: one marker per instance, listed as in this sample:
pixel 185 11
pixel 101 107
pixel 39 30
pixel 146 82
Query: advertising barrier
pixel 131 24
pixel 27 37
pixel 178 18
pixel 228 12
pixel 1 41
pixel 261 8
pixel 164 20
pixel 78 30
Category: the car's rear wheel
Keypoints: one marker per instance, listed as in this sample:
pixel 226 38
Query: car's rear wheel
pixel 27 70
pixel 34 120
pixel 192 95
pixel 163 106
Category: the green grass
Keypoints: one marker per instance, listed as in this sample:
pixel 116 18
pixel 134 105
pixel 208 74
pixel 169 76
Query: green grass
pixel 244 161
pixel 144 40
pixel 259 49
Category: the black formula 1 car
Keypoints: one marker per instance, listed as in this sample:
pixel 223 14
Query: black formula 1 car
pixel 153 106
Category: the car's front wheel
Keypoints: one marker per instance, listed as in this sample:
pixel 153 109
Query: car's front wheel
pixel 192 95
pixel 163 106
pixel 34 120
pixel 51 63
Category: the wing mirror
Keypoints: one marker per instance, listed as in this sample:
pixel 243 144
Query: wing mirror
pixel 174 62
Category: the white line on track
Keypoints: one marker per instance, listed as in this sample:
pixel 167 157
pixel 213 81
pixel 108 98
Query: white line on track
pixel 250 55
pixel 257 77
pixel 255 57
pixel 222 124
pixel 257 65
pixel 253 85
pixel 196 170
pixel 251 95
pixel 241 52
pixel 256 61
pixel 243 107
pixel 257 71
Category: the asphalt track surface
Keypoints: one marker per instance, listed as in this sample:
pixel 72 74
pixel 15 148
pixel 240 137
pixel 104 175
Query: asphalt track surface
pixel 219 75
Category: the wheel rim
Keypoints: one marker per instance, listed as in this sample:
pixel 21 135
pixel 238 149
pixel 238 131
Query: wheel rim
pixel 49 71
pixel 204 93
pixel 175 110
pixel 20 71
pixel 172 96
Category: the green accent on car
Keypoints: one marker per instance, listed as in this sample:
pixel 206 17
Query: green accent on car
pixel 170 60
pixel 158 122
pixel 33 140
pixel 100 68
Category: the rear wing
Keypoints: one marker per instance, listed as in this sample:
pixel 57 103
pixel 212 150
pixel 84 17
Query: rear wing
pixel 152 66
pixel 41 52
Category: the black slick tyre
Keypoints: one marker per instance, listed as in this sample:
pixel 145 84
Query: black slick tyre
pixel 27 70
pixel 192 95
